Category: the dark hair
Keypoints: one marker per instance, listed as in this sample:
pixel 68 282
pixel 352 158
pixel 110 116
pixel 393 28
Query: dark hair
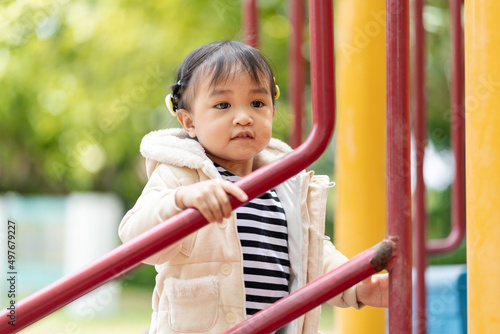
pixel 219 59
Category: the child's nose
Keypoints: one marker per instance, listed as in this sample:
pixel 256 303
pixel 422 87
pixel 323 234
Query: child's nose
pixel 243 117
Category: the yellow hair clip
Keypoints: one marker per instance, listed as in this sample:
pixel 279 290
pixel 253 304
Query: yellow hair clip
pixel 170 105
pixel 277 94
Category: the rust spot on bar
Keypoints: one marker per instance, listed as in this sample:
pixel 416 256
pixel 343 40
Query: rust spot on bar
pixel 382 255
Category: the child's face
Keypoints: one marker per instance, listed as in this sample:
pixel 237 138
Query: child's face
pixel 232 121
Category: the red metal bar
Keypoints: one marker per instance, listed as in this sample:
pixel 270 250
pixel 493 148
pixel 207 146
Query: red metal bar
pixel 116 262
pixel 420 136
pixel 250 23
pixel 317 292
pixel 398 165
pixel 457 129
pixel 296 69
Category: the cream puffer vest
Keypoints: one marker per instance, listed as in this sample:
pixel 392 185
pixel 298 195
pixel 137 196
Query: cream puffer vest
pixel 199 286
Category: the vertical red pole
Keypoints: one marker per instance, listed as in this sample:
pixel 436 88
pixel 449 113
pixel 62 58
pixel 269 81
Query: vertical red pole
pixel 420 135
pixel 398 165
pixel 296 68
pixel 457 121
pixel 250 23
pixel 457 130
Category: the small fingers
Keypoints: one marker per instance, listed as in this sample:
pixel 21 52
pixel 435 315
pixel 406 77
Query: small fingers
pixel 236 191
pixel 222 206
pixel 220 203
pixel 211 198
pixel 214 203
pixel 207 203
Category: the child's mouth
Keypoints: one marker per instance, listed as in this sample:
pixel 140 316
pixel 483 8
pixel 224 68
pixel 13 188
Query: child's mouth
pixel 243 135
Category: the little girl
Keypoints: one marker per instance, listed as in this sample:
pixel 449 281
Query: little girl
pixel 224 99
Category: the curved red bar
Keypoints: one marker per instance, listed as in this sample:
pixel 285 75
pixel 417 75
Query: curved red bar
pixel 128 255
pixel 457 130
pixel 310 296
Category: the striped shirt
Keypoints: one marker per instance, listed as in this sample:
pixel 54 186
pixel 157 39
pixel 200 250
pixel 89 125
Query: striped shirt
pixel 263 233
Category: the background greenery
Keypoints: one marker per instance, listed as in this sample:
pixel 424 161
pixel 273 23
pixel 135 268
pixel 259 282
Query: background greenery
pixel 81 82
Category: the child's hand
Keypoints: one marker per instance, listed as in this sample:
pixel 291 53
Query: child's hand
pixel 374 291
pixel 210 198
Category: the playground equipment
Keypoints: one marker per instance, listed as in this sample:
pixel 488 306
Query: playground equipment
pixel 482 98
pixel 360 144
pixel 250 23
pixel 394 253
pixel 128 255
pixel 296 81
pixel 457 121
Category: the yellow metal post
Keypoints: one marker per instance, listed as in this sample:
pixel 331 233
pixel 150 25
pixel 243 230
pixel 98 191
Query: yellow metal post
pixel 482 112
pixel 360 158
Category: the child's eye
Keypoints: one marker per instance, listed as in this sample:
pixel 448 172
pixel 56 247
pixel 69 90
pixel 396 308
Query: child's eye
pixel 222 105
pixel 257 104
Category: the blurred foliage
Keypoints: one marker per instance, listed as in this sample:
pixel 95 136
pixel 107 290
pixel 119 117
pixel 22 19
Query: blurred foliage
pixel 81 82
pixel 437 25
pixel 439 209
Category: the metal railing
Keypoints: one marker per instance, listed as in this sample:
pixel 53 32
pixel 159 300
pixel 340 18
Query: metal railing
pixel 296 69
pixel 457 131
pixel 422 247
pixel 394 252
pixel 398 164
pixel 318 291
pixel 250 23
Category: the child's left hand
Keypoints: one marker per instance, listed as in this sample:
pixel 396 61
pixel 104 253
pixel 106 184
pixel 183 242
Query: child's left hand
pixel 374 290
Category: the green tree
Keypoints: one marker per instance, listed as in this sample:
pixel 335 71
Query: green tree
pixel 82 82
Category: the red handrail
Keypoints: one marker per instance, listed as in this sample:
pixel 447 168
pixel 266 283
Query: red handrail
pixel 317 292
pixel 119 260
pixel 420 135
pixel 457 131
pixel 250 23
pixel 398 164
pixel 457 233
pixel 296 69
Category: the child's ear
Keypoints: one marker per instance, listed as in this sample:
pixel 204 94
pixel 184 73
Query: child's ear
pixel 186 120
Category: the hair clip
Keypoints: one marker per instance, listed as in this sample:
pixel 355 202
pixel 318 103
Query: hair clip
pixel 170 105
pixel 277 94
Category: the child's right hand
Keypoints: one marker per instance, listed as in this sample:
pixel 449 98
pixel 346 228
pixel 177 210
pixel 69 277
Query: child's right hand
pixel 210 198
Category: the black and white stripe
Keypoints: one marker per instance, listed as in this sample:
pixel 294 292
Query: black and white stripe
pixel 263 233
